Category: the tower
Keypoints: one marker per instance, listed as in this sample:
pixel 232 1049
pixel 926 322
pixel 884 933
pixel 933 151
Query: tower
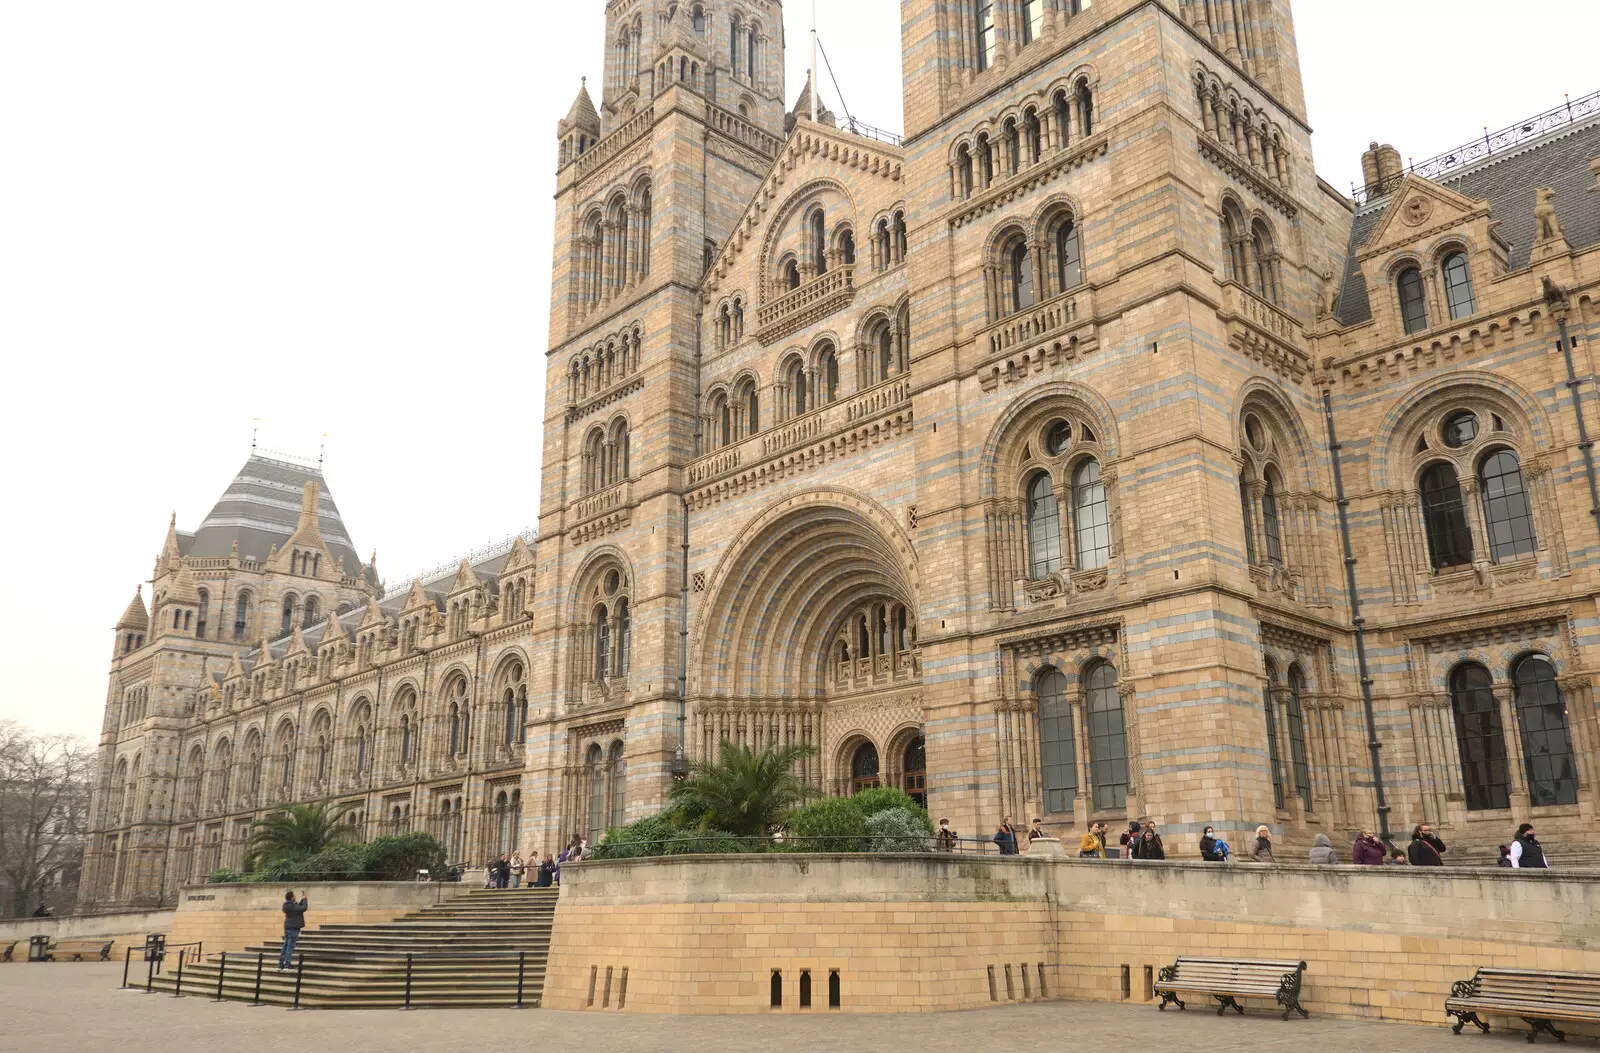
pixel 651 183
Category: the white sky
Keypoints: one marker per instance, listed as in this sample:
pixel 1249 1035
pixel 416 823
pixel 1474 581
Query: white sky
pixel 335 216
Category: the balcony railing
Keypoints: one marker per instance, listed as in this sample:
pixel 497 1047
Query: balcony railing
pixel 613 144
pixel 1239 302
pixel 1059 314
pixel 741 130
pixel 599 504
pixel 815 299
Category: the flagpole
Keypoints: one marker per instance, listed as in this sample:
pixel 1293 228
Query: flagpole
pixel 813 75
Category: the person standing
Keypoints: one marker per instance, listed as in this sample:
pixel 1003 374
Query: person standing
pixel 1093 843
pixel 1208 847
pixel 1526 851
pixel 1262 852
pixel 547 872
pixel 1130 841
pixel 518 868
pixel 1425 850
pixel 945 839
pixel 1322 853
pixel 1006 838
pixel 1367 851
pixel 1505 857
pixel 1150 844
pixel 1036 831
pixel 294 919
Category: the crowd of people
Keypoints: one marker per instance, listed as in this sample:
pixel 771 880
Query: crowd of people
pixel 1143 841
pixel 510 871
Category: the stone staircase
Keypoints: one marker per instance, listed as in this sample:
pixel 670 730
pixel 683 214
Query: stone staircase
pixel 464 953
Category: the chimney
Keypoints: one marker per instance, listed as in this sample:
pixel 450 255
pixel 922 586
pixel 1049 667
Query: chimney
pixel 1369 168
pixel 1381 168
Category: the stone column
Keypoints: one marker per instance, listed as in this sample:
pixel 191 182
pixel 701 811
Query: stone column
pixel 1516 765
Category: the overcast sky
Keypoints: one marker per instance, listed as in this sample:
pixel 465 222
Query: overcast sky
pixel 335 216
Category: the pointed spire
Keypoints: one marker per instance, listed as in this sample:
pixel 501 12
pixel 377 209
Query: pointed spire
pixel 171 554
pixel 235 667
pixel 183 589
pixel 582 116
pixel 369 573
pixel 136 616
pixel 802 109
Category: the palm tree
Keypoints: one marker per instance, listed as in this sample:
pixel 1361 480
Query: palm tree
pixel 744 793
pixel 296 831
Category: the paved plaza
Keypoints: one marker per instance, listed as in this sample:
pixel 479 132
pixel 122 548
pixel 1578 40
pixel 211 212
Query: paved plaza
pixel 77 1006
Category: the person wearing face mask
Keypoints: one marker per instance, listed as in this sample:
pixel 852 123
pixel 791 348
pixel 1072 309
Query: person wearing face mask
pixel 1526 851
pixel 1208 847
pixel 945 839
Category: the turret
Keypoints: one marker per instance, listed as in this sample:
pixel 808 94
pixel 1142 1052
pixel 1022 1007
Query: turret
pixel 580 128
pixel 132 627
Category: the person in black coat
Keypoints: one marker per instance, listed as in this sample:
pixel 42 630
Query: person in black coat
pixel 1208 847
pixel 1425 849
pixel 1006 838
pixel 547 872
pixel 1526 851
pixel 1150 845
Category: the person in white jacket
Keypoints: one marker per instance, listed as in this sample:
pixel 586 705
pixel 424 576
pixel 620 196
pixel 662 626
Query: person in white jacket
pixel 1526 851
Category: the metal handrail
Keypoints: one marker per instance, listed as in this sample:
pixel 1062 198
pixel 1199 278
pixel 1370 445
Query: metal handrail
pixel 926 843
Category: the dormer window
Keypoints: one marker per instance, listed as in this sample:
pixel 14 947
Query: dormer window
pixel 1413 300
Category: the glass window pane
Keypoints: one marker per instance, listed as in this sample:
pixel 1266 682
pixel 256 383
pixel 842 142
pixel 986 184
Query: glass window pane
pixel 1444 516
pixel 1458 286
pixel 1021 278
pixel 1249 523
pixel 1044 528
pixel 1069 254
pixel 1108 739
pixel 986 37
pixel 1091 517
pixel 1480 737
pixel 1297 737
pixel 1269 522
pixel 1274 755
pixel 1546 739
pixel 1506 509
pixel 1058 757
pixel 1413 301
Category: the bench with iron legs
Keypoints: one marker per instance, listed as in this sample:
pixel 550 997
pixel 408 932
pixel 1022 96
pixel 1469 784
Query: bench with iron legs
pixel 1538 997
pixel 1229 979
pixel 74 950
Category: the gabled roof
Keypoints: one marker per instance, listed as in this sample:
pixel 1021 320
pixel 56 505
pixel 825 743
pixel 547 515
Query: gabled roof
pixel 1507 181
pixel 260 509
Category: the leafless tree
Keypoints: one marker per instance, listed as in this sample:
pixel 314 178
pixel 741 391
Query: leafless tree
pixel 44 816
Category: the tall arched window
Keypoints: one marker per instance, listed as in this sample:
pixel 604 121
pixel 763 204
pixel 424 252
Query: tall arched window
pixel 602 642
pixel 1062 109
pixel 1266 260
pixel 619 785
pixel 791 274
pixel 797 386
pixel 205 612
pixel 1044 528
pixel 1444 515
pixel 964 172
pixel 1546 740
pixel 752 52
pixel 312 613
pixel 1413 300
pixel 1086 107
pixel 457 738
pixel 1458 286
pixel 286 624
pixel 624 636
pixel 405 738
pixel 1296 721
pixel 1033 136
pixel 1269 519
pixel 721 419
pixel 513 727
pixel 597 793
pixel 914 769
pixel 1069 256
pixel 1091 518
pixel 828 386
pixel 985 42
pixel 1274 754
pixel 864 768
pixel 749 407
pixel 1032 20
pixel 1507 513
pixel 1108 738
pixel 1021 275
pixel 1058 755
pixel 1481 738
pixel 1249 521
pixel 819 245
pixel 241 615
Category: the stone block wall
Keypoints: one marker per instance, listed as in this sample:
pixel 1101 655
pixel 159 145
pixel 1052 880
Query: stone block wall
pixel 232 917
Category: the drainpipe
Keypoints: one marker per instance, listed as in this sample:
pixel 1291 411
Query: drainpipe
pixel 680 756
pixel 1374 747
pixel 1556 298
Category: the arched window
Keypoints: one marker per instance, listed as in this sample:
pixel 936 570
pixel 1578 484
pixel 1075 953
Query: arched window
pixel 602 642
pixel 847 249
pixel 405 739
pixel 1546 740
pixel 791 274
pixel 864 768
pixel 1033 136
pixel 1062 110
pixel 513 728
pixel 698 20
pixel 457 730
pixel 1481 738
pixel 1021 276
pixel 819 245
pixel 1108 738
pixel 721 421
pixel 1032 20
pixel 1013 146
pixel 750 407
pixel 1296 721
pixel 619 785
pixel 1069 256
pixel 1507 513
pixel 1444 515
pixel 287 622
pixel 1249 521
pixel 1458 286
pixel 313 612
pixel 828 387
pixel 985 42
pixel 205 612
pixel 1274 754
pixel 1058 755
pixel 733 44
pixel 1413 300
pixel 1091 519
pixel 1086 107
pixel 1266 260
pixel 914 770
pixel 1270 529
pixel 1044 528
pixel 597 793
pixel 624 636
pixel 964 172
pixel 885 361
pixel 797 386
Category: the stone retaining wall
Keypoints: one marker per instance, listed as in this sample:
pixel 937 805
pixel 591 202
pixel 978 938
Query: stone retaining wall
pixel 910 933
pixel 128 928
pixel 231 917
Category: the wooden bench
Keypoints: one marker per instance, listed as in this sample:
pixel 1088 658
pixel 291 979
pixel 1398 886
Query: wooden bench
pixel 1540 998
pixel 76 949
pixel 1229 979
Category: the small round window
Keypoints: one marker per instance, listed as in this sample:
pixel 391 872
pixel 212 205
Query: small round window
pixel 612 581
pixel 1460 428
pixel 1252 432
pixel 1057 436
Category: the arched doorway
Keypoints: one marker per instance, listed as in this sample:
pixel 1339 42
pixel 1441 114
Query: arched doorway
pixel 864 768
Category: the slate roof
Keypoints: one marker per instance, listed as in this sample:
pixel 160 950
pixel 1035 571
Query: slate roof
pixel 260 508
pixel 1507 181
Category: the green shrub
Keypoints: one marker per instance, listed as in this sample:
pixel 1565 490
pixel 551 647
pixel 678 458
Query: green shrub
pixel 642 837
pixel 882 798
pixel 334 863
pixel 398 857
pixel 712 842
pixel 900 830
pixel 225 876
pixel 833 824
